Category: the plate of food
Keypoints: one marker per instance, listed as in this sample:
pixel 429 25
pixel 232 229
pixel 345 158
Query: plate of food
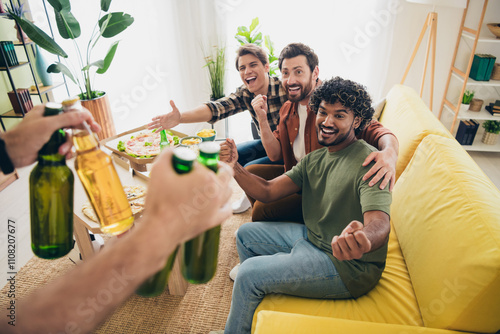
pixel 140 145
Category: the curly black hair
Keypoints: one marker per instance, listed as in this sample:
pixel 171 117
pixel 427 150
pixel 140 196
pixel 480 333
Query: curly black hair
pixel 351 94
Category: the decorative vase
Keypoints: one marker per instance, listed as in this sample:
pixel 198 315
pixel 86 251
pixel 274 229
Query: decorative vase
pixel 41 65
pixel 101 111
pixel 2 11
pixel 490 138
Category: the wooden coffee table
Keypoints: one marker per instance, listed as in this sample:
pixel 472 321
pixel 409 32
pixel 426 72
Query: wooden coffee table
pixel 82 225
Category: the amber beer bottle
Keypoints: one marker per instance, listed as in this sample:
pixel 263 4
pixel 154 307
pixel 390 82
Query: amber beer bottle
pixel 199 255
pixel 182 161
pixel 99 178
pixel 51 197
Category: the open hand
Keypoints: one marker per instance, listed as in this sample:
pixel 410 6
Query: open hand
pixel 166 121
pixel 352 242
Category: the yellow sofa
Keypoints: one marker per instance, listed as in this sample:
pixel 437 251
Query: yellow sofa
pixel 443 263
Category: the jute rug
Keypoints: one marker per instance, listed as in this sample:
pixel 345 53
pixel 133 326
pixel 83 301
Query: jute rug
pixel 203 308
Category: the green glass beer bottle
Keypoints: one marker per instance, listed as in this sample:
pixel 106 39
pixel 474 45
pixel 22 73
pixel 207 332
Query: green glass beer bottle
pixel 182 161
pixel 199 255
pixel 163 139
pixel 51 197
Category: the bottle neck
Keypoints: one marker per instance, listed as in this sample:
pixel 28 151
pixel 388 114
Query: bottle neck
pixel 84 141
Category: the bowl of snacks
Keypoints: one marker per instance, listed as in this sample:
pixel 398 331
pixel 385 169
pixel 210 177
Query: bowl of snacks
pixel 207 134
pixel 190 141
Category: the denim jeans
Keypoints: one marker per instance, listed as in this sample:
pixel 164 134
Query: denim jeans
pixel 277 258
pixel 253 152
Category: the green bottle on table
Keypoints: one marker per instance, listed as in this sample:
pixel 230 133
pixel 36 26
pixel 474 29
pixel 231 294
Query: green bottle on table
pixel 51 197
pixel 182 161
pixel 199 255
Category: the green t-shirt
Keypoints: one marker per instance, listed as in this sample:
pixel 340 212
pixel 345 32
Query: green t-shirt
pixel 333 195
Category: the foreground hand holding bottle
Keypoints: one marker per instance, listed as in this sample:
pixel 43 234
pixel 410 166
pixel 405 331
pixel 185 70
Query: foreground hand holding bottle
pixel 182 161
pixel 51 197
pixel 199 255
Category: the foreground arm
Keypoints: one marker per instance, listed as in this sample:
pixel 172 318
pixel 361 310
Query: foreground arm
pixel 385 162
pixel 201 113
pixel 257 187
pixel 357 239
pixel 269 141
pixel 73 302
pixel 23 142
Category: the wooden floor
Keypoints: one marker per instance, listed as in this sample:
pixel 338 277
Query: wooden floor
pixel 14 204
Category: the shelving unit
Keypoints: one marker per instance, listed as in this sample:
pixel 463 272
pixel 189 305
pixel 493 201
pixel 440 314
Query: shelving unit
pixel 41 91
pixel 459 111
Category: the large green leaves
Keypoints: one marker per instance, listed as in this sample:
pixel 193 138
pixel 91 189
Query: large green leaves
pixel 60 67
pixel 119 21
pixel 105 5
pixel 60 5
pixel 67 24
pixel 39 37
pixel 109 58
pixel 103 65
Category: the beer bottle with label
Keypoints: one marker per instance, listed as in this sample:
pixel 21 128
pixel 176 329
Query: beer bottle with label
pixel 51 197
pixel 99 178
pixel 182 161
pixel 199 255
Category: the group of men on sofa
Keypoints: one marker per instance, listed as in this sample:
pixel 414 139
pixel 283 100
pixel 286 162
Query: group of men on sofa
pixel 321 214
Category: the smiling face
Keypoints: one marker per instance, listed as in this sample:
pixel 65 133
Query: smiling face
pixel 254 74
pixel 297 78
pixel 335 125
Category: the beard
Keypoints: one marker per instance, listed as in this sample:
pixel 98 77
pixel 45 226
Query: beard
pixel 340 139
pixel 305 91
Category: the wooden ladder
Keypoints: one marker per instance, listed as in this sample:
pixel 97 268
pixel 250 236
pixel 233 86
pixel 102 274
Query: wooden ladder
pixel 453 69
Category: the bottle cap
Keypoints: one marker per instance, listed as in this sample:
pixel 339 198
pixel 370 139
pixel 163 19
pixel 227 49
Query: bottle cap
pixel 72 103
pixel 52 108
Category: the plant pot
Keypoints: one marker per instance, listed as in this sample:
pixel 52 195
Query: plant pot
pixel 101 110
pixel 41 65
pixel 490 138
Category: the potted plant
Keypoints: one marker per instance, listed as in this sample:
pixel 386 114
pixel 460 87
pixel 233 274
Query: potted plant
pixel 252 35
pixel 491 133
pixel 215 62
pixel 468 96
pixel 108 25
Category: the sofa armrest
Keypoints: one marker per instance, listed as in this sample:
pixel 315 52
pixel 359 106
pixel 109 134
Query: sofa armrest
pixel 271 322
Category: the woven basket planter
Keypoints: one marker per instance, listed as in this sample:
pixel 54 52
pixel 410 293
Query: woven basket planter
pixel 490 138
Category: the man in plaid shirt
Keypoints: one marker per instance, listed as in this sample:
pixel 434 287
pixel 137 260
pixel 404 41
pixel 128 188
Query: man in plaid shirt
pixel 253 66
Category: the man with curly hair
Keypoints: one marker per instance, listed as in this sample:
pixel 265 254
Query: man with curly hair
pixel 340 250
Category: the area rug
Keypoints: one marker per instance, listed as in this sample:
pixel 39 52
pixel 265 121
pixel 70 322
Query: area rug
pixel 203 308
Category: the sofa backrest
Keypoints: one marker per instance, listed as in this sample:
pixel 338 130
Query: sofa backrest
pixel 407 116
pixel 446 214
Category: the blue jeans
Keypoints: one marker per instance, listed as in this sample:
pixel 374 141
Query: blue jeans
pixel 252 152
pixel 277 258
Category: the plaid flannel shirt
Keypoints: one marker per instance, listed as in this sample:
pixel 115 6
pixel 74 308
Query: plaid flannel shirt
pixel 241 100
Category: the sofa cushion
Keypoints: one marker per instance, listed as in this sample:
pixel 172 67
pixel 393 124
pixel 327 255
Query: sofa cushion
pixel 407 116
pixel 270 322
pixel 446 213
pixel 391 301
